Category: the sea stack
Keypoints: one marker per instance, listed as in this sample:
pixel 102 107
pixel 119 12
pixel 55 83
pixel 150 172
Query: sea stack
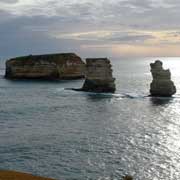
pixel 50 66
pixel 99 76
pixel 162 85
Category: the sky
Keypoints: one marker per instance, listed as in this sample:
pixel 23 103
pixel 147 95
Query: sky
pixel 90 28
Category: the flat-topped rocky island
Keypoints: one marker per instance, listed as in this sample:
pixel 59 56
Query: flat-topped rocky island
pixel 50 66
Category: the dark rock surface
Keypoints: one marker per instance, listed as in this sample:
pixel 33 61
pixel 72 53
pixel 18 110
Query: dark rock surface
pixel 50 66
pixel 128 178
pixel 98 76
pixel 161 84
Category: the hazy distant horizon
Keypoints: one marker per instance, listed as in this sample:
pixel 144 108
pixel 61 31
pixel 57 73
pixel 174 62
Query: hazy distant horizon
pixel 114 28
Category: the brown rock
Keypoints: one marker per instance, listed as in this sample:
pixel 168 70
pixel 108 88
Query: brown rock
pixel 12 175
pixel 50 66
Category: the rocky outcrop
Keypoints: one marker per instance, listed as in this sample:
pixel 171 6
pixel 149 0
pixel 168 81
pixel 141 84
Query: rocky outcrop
pixel 51 66
pixel 161 84
pixel 13 175
pixel 98 76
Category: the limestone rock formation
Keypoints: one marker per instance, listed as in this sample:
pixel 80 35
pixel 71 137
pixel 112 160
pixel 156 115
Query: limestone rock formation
pixel 161 84
pixel 98 76
pixel 50 66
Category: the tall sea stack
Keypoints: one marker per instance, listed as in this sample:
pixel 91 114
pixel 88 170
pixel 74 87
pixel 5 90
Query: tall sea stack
pixel 161 84
pixel 49 66
pixel 99 76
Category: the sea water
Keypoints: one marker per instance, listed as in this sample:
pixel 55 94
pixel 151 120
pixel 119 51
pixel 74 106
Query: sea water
pixel 50 131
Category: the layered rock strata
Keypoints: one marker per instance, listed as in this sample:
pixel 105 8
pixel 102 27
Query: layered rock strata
pixel 50 66
pixel 162 85
pixel 99 76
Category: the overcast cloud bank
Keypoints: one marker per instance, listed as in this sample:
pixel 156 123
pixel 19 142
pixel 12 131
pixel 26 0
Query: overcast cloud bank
pixel 90 28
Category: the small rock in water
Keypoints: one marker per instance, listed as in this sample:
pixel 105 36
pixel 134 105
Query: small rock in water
pixel 99 76
pixel 128 178
pixel 162 85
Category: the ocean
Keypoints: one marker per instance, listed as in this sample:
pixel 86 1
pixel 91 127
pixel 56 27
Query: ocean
pixel 50 131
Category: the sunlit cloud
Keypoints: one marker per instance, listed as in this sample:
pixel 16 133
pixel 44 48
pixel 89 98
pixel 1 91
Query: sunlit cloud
pixel 124 50
pixel 135 36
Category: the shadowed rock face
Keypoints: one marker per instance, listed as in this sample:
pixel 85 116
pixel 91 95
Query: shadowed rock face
pixel 51 66
pixel 161 84
pixel 99 76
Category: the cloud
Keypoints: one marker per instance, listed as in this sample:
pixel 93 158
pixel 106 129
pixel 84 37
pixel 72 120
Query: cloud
pixel 117 13
pixel 131 38
pixel 8 1
pixel 28 26
pixel 108 36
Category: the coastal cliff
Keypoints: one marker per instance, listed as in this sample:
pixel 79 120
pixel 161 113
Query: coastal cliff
pixel 99 76
pixel 162 85
pixel 50 66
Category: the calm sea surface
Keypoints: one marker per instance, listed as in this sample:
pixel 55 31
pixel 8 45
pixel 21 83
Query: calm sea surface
pixel 49 131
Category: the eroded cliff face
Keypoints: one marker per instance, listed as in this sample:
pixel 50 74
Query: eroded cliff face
pixel 99 76
pixel 162 85
pixel 51 66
